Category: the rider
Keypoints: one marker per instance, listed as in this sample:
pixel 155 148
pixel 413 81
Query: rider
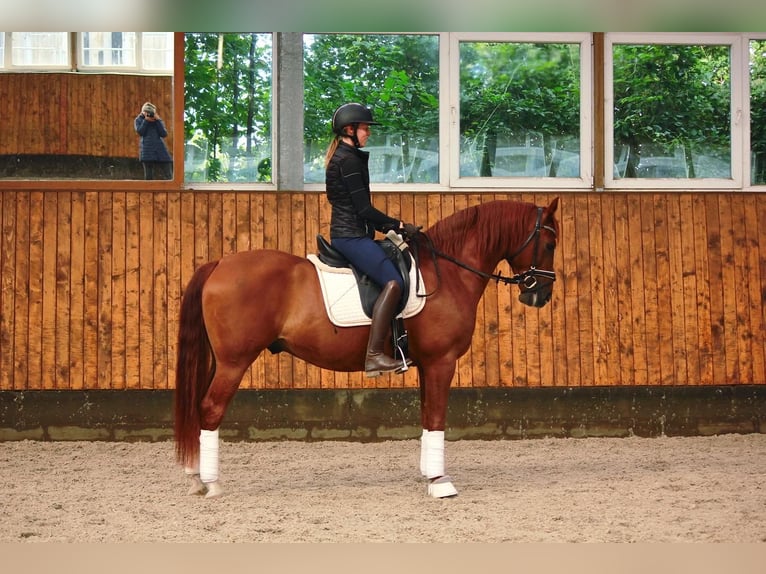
pixel 354 221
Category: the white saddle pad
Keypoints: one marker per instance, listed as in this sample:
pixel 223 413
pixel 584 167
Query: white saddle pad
pixel 342 300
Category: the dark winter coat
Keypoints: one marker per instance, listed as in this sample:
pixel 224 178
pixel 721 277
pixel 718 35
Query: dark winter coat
pixel 347 182
pixel 150 145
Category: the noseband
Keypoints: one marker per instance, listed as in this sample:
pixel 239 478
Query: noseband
pixel 528 278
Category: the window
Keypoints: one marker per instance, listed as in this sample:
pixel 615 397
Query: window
pixel 126 51
pixel 522 110
pixel 459 111
pixel 670 114
pixel 157 51
pixel 108 49
pixel 97 51
pixel 227 114
pixel 757 140
pixel 48 50
pixel 397 77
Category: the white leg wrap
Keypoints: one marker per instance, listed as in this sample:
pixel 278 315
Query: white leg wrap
pixel 208 455
pixel 434 454
pixel 423 447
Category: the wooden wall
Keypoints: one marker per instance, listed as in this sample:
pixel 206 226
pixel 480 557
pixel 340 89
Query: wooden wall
pixel 653 289
pixel 78 113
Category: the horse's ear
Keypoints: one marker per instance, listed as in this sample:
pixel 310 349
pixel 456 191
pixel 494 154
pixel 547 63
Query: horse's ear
pixel 551 209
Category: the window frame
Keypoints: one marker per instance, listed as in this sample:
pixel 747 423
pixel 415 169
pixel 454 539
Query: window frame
pixel 138 68
pixel 748 184
pixel 452 113
pixel 9 66
pixel 443 122
pixel 179 165
pixel 734 41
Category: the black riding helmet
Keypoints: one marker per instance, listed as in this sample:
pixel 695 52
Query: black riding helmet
pixel 352 114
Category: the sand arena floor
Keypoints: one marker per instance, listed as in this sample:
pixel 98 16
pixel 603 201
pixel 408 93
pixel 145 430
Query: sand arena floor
pixel 701 489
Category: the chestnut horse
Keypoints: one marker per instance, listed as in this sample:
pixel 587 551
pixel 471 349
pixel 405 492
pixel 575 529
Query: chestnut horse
pixel 234 308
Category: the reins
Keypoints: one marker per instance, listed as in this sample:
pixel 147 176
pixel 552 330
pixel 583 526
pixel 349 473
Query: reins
pixel 528 277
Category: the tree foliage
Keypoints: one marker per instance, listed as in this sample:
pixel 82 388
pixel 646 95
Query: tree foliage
pixel 228 100
pixel 669 96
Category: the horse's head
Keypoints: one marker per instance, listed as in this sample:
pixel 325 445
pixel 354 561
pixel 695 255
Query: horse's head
pixel 533 260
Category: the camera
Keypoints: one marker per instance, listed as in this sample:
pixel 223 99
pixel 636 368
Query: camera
pixel 150 114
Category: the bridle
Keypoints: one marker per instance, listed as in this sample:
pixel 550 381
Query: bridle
pixel 527 278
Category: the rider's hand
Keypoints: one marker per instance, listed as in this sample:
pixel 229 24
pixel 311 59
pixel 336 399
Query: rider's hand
pixel 409 229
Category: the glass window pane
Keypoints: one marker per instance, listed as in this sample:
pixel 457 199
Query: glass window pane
pixel 227 113
pixel 758 112
pixel 397 77
pixel 40 49
pixel 672 111
pixel 108 49
pixel 519 109
pixel 157 51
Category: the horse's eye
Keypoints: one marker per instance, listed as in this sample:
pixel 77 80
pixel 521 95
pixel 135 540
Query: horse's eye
pixel 550 246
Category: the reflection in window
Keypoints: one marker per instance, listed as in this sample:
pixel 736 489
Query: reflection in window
pixel 157 51
pixel 39 49
pixel 519 109
pixel 397 77
pixel 107 49
pixel 227 114
pixel 65 125
pixel 672 111
pixel 145 51
pixel 758 112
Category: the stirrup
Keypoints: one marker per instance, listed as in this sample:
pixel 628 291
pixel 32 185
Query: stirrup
pixel 405 364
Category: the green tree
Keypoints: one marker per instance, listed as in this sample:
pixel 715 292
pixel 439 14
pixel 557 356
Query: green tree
pixel 671 96
pixel 397 76
pixel 510 89
pixel 758 109
pixel 228 102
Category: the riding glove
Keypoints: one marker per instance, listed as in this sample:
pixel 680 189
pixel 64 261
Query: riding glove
pixel 410 230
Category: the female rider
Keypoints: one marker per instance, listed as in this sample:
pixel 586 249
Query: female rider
pixel 354 221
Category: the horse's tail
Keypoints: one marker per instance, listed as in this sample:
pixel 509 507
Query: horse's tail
pixel 194 367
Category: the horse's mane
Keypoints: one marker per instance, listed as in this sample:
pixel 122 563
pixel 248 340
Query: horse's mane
pixel 493 223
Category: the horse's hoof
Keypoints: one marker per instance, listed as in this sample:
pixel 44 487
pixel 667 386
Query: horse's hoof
pixel 441 487
pixel 197 486
pixel 213 489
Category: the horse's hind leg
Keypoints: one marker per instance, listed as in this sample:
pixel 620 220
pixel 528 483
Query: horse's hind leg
pixel 196 486
pixel 212 409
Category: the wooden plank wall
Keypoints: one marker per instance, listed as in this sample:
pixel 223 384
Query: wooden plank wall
pixel 78 113
pixel 653 289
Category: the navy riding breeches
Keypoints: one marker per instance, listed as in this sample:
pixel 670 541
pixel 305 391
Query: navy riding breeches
pixel 369 258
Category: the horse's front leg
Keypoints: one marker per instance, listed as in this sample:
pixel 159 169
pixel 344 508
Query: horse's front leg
pixel 434 391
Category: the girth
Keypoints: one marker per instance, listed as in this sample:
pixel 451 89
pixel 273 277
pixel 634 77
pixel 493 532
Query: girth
pixel 368 289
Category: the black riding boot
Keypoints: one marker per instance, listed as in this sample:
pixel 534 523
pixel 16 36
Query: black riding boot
pixel 377 361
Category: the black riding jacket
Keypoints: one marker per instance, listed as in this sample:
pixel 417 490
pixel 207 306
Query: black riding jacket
pixel 347 181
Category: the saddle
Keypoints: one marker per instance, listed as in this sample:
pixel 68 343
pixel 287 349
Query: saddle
pixel 368 289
